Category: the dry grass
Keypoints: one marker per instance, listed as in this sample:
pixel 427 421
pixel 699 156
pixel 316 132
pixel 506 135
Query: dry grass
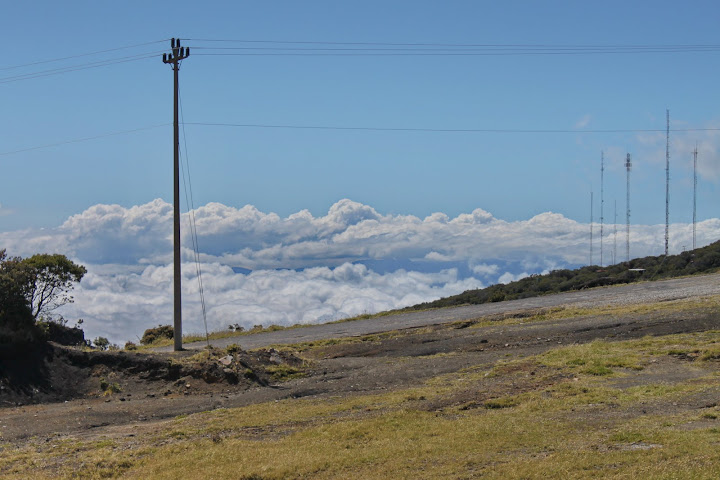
pixel 557 415
pixel 570 429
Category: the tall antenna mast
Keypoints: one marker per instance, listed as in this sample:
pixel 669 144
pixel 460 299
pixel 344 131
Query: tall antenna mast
pixel 602 203
pixel 694 193
pixel 667 181
pixel 591 228
pixel 615 235
pixel 628 165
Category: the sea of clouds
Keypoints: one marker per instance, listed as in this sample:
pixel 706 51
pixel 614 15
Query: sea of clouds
pixel 259 268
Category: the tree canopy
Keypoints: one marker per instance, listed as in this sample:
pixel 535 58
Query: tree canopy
pixel 31 289
pixel 49 280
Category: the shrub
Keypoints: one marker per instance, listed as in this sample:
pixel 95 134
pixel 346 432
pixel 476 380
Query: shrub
pixel 152 335
pixel 101 343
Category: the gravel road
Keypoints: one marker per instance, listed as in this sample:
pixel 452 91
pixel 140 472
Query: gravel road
pixel 647 292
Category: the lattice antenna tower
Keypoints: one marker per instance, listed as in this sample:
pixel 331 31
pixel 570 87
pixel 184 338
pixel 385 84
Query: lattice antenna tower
pixel 694 193
pixel 628 166
pixel 667 181
pixel 591 228
pixel 615 235
pixel 602 202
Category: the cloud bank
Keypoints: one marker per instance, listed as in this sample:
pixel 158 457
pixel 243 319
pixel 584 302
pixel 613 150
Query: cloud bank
pixel 259 268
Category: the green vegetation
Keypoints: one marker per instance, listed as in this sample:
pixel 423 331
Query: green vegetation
pixel 154 335
pixel 536 417
pixel 109 388
pixel 162 335
pixel 284 372
pixel 701 260
pixel 31 289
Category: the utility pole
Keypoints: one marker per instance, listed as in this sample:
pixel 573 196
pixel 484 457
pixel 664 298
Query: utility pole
pixel 178 53
pixel 628 165
pixel 694 193
pixel 667 182
pixel 602 203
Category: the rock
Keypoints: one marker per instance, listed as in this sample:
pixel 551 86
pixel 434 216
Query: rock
pixel 275 357
pixel 226 360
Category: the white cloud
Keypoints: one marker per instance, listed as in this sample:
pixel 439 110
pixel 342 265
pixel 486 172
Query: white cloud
pixel 652 147
pixel 485 269
pixel 121 305
pixel 4 211
pixel 305 268
pixel 349 233
pixel 508 277
pixel 583 122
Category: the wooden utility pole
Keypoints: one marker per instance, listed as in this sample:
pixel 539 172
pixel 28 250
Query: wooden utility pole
pixel 174 58
pixel 628 166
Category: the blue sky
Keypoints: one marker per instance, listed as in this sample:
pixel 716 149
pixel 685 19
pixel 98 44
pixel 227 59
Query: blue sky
pixel 512 175
pixel 509 200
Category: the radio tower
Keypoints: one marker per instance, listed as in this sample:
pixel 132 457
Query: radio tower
pixel 591 228
pixel 667 182
pixel 602 202
pixel 694 193
pixel 628 165
pixel 615 235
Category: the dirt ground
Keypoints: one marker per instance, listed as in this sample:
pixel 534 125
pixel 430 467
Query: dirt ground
pixel 55 391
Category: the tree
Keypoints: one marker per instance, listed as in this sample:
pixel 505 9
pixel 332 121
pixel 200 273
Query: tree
pixel 17 325
pixel 48 282
pixel 31 288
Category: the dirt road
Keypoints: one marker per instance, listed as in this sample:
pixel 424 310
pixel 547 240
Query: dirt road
pixel 648 292
pixel 387 362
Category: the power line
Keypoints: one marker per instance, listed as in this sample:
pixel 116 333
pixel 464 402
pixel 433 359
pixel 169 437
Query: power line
pixel 447 50
pixel 369 129
pixel 193 225
pixel 332 48
pixel 74 68
pixel 89 54
pixel 314 53
pixel 438 130
pixel 85 139
pixel 528 46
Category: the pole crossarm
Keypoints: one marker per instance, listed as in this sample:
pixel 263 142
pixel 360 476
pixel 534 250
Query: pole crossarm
pixel 178 53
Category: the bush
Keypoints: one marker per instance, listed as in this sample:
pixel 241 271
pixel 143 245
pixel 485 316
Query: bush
pixel 152 335
pixel 101 343
pixel 62 334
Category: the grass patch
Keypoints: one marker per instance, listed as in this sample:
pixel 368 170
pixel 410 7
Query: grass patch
pixel 597 358
pixel 552 419
pixel 284 372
